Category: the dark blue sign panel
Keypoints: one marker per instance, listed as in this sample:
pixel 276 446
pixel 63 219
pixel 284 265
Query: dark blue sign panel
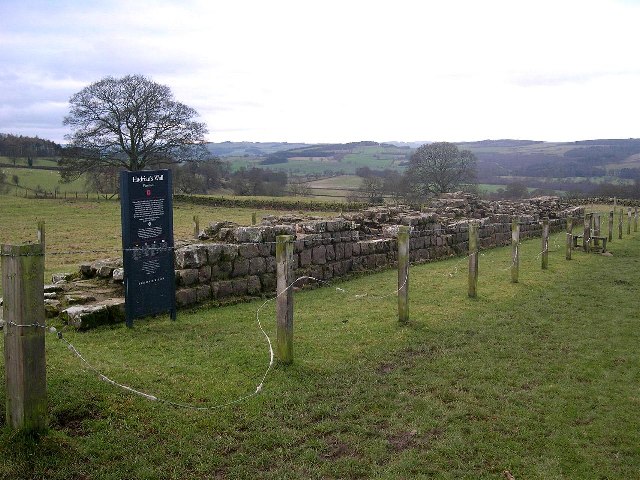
pixel 147 243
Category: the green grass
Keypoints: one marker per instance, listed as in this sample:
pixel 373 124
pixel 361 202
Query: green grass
pixel 48 180
pixel 539 378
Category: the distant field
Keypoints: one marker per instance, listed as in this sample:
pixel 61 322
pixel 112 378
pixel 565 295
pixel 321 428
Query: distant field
pixel 340 181
pixel 48 180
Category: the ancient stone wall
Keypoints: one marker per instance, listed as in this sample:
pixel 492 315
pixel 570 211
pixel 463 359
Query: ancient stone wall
pixel 232 261
pixel 327 249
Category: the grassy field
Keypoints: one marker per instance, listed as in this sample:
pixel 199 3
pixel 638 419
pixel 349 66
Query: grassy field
pixel 48 180
pixel 538 379
pixel 88 225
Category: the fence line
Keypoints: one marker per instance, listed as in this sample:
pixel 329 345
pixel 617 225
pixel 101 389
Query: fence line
pixel 402 284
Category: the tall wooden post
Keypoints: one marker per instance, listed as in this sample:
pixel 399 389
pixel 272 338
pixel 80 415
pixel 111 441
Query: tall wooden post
pixel 628 220
pixel 586 234
pixel 403 273
pixel 41 234
pixel 284 300
pixel 569 237
pixel 596 229
pixel 610 225
pixel 24 353
pixel 196 226
pixel 515 249
pixel 635 219
pixel 545 243
pixel 620 222
pixel 473 259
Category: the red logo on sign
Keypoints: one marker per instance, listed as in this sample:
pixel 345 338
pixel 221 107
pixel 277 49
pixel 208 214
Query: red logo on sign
pixel 148 193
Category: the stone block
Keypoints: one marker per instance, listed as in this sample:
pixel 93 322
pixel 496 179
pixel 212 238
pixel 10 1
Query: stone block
pixel 187 277
pixel 204 274
pixel 253 285
pixel 229 252
pixel 186 297
pixel 222 289
pixel 203 293
pixel 257 266
pixel 248 234
pixel 248 250
pixel 191 256
pixel 318 255
pixel 60 277
pixel 214 251
pixel 330 253
pixel 240 267
pixel 305 257
pixel 239 287
pixel 85 317
pixel 268 282
pixel 339 251
pixel 118 275
pixel 270 264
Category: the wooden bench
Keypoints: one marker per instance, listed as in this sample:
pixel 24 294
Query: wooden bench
pixel 594 241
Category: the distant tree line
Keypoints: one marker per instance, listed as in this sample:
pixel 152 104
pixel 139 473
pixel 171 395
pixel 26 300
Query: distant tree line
pixel 18 146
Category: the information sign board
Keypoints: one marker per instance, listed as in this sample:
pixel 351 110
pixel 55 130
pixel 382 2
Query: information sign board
pixel 147 243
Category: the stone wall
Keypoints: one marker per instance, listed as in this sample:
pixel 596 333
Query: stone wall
pixel 244 265
pixel 231 261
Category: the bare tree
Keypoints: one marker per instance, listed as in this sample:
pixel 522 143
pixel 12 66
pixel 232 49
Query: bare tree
pixel 440 167
pixel 129 123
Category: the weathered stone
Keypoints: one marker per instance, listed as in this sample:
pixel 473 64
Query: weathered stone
pixel 253 285
pixel 191 256
pixel 118 275
pixel 240 267
pixel 51 308
pixel 214 252
pixel 203 293
pixel 248 234
pixel 268 282
pixel 318 255
pixel 239 287
pixel 60 277
pixel 204 274
pixel 222 289
pixel 87 270
pixel 249 250
pixel 187 277
pixel 330 253
pixel 229 252
pixel 257 266
pixel 186 297
pixel 305 257
pixel 85 317
pixel 270 264
pixel 78 299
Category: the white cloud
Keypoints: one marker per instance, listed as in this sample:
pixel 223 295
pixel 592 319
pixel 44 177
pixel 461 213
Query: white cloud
pixel 339 71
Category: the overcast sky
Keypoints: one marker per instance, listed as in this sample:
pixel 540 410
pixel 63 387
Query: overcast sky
pixel 337 71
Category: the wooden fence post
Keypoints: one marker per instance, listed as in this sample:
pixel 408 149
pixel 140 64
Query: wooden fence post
pixel 473 259
pixel 196 226
pixel 586 234
pixel 569 237
pixel 24 329
pixel 628 220
pixel 635 219
pixel 253 218
pixel 41 235
pixel 403 273
pixel 515 249
pixel 610 225
pixel 620 222
pixel 284 299
pixel 596 229
pixel 545 243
